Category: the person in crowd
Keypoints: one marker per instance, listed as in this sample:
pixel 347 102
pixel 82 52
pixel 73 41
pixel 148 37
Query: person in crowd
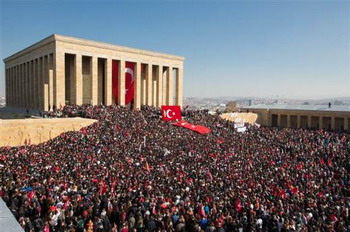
pixel 131 171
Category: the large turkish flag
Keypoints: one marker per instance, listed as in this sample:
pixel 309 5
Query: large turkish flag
pixel 200 129
pixel 171 113
pixel 129 80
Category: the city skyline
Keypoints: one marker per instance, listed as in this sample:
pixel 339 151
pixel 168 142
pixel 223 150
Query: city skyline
pixel 253 49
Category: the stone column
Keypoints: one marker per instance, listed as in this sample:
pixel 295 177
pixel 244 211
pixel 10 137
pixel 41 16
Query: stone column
pixel 309 121
pixel 170 87
pixel 279 120
pixel 28 81
pixel 159 86
pixel 288 120
pixel 28 90
pixel 19 86
pixel 94 80
pixel 179 81
pixel 12 87
pixel 46 85
pixel 154 88
pixel 16 87
pixel 10 93
pixel 298 121
pixel 121 83
pixel 40 84
pixel 32 86
pixel 50 74
pixel 346 123
pixel 165 83
pixel 59 78
pixel 78 80
pixel 24 85
pixel 7 85
pixel 7 78
pixel 35 85
pixel 137 86
pixel 149 77
pixel 143 85
pixel 51 90
pixel 35 80
pixel 23 90
pixel 320 122
pixel 332 123
pixel 108 82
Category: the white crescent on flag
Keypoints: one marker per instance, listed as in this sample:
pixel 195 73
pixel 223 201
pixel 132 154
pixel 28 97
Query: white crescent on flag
pixel 129 70
pixel 168 113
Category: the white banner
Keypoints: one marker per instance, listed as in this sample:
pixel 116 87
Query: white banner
pixel 239 125
pixel 241 129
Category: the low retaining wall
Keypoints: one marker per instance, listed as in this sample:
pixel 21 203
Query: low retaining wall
pixel 16 132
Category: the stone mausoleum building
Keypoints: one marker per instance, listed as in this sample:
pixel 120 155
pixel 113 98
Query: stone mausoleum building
pixel 60 70
pixel 335 117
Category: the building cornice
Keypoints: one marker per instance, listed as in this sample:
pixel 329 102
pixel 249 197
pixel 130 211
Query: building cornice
pixel 119 48
pixel 90 43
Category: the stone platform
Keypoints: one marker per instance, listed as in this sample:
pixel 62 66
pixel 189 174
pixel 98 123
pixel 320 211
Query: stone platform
pixel 16 132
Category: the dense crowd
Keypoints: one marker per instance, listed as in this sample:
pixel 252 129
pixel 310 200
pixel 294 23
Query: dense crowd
pixel 131 171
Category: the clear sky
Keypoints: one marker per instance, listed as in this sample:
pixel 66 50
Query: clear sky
pixel 293 49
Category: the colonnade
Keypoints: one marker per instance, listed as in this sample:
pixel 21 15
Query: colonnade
pixel 30 84
pixel 310 121
pixel 88 79
pixel 50 81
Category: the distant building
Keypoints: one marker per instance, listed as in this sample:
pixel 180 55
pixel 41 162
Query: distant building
pixel 61 70
pixel 302 116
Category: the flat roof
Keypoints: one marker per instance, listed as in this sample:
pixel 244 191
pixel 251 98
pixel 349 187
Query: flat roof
pixel 92 43
pixel 338 108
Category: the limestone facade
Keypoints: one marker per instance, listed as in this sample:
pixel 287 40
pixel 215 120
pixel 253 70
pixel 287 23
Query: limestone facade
pixel 60 70
pixel 334 118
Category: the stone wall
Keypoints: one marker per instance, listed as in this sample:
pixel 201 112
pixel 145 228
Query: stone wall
pixel 17 132
pixel 240 117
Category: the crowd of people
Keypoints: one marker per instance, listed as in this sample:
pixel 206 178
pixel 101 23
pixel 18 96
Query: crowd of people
pixel 131 171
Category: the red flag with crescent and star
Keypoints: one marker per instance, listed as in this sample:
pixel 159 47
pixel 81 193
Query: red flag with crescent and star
pixel 129 80
pixel 171 113
pixel 200 129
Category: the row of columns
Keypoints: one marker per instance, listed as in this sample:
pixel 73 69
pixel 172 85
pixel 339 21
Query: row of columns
pixel 40 83
pixel 30 84
pixel 309 123
pixel 149 89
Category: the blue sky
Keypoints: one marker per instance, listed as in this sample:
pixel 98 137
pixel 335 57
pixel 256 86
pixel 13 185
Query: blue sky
pixel 294 49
